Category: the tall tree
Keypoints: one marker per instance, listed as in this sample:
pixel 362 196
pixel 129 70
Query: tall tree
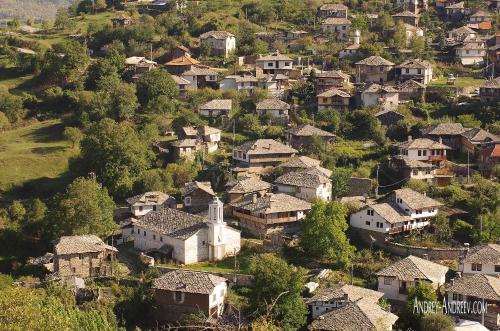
pixel 65 61
pixel 421 292
pixel 324 233
pixel 154 84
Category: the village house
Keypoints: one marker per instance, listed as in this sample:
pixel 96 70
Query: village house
pixel 302 135
pixel 239 83
pixel 362 314
pixel 413 169
pixel 337 26
pixel 181 64
pixel 182 84
pixel 174 235
pixel 489 92
pixel 139 64
pixel 275 84
pixel 411 90
pixel 203 139
pixel 337 296
pixel 489 158
pixel 275 109
pixel 456 11
pixel 374 69
pixel 143 203
pixel 300 163
pixel 334 98
pixel 389 117
pixel 216 108
pixel 309 184
pixel 180 51
pixel 275 63
pixel 481 259
pixel 449 134
pixel 385 96
pixel 404 211
pixel 417 70
pixel 196 196
pixel 185 148
pixel 462 33
pixel 475 291
pixel 121 20
pixel 351 50
pixel 407 17
pixel 326 80
pixel 261 155
pixel 180 291
pixel 423 149
pixel 201 76
pixel 412 32
pixel 240 188
pixel 333 10
pixel 395 279
pixel 83 256
pixel 480 16
pixel 471 53
pixel 476 139
pixel 220 43
pixel 261 216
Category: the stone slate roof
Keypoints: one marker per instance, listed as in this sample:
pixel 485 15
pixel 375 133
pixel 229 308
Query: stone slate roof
pixel 388 117
pixel 423 143
pixel 218 104
pixel 305 162
pixel 333 6
pixel 188 281
pixel 147 198
pixel 484 254
pixel 416 200
pixel 338 291
pixel 200 71
pixel 193 186
pixel 494 83
pixel 480 135
pixel 390 212
pixel 172 222
pixel 334 92
pixel 377 88
pixel 248 184
pixel 265 146
pixel 80 245
pixel 412 267
pixel 307 130
pixel 375 61
pixel 409 84
pixel 274 57
pixel 185 143
pixel 216 35
pixel 331 74
pixel 481 13
pixel 336 21
pixel 311 178
pixel 458 5
pixel 362 315
pixel 480 286
pixel 242 79
pixel 272 103
pixel 273 203
pixel 405 13
pixel 180 81
pixel 462 30
pixel 415 64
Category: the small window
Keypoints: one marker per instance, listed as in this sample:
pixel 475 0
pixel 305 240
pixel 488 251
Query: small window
pixel 367 223
pixel 154 207
pixel 154 237
pixel 187 201
pixel 424 152
pixel 477 267
pixel 455 297
pixel 460 297
pixel 140 208
pixel 80 256
pixel 179 297
pixel 144 233
pixel 419 153
pixel 161 239
pixel 415 172
pixel 387 281
pixel 497 268
pixel 138 231
pixel 73 269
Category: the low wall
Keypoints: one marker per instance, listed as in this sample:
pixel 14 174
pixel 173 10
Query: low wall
pixel 234 279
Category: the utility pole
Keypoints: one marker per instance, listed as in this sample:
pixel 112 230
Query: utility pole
pixel 468 168
pixel 376 187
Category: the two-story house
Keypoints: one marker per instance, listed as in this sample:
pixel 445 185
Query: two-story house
pixel 423 149
pixel 242 187
pixel 471 53
pixel 302 135
pixel 395 279
pixel 239 83
pixel 275 63
pixel 300 163
pixel 270 213
pixel 407 17
pixel 308 184
pixel 462 33
pixel 197 195
pixel 414 169
pixel 200 77
pixel 385 96
pixel 481 259
pixel 326 80
pixel 275 109
pixel 333 10
pixel 449 134
pixel 480 16
pixel 339 27
pixel 261 155
pixel 143 203
pixel 203 139
pixel 374 69
pixel 219 43
pixel 489 92
pixel 416 69
pixel 216 108
pixel 181 64
pixel 334 98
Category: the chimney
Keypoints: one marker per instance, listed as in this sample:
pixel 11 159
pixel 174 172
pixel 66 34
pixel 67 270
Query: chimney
pixel 254 198
pixel 410 138
pixel 452 281
pixel 440 140
pixel 425 256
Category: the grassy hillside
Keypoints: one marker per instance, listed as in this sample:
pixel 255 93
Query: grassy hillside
pixel 36 153
pixel 34 9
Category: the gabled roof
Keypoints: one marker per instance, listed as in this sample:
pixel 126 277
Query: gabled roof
pixel 416 200
pixel 389 212
pixel 412 267
pixel 484 254
pixel 422 143
pixel 193 186
pixel 188 281
pixel 148 198
pixel 493 83
pixel 375 61
pixel 136 60
pixel 479 286
pixel 273 203
pixel 444 129
pixel 216 35
pixel 410 84
pixel 248 184
pixel 179 80
pixel 336 21
pixel 481 13
pixel 405 13
pixel 331 74
pixel 377 88
pixel 218 104
pixel 182 61
pixel 80 245
pixel 462 30
pixel 311 178
pixel 185 143
pixel 265 146
pixel 333 6
pixel 480 135
pixel 334 92
pixel 362 315
pixel 415 63
pixel 458 5
pixel 339 291
pixel 242 79
pixel 307 130
pixel 198 70
pixel 271 104
pixel 305 162
pixel 274 57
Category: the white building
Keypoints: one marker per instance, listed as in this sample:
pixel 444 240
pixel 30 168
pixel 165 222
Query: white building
pixel 216 108
pixel 186 238
pixel 472 53
pixel 423 149
pixel 200 77
pixel 142 204
pixel 307 184
pixel 483 259
pixel 274 108
pixel 418 70
pixel 219 42
pixel 395 279
pixel 337 26
pixel 239 83
pixel 275 63
pixel 385 96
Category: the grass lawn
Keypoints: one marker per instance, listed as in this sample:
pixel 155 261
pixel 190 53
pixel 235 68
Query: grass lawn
pixel 459 82
pixel 35 152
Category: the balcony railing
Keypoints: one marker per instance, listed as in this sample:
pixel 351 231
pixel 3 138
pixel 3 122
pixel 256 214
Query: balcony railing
pixel 273 220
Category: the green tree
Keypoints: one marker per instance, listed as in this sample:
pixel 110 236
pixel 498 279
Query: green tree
pixel 17 211
pixel 84 208
pixel 116 154
pixel 340 181
pixel 154 84
pixel 65 61
pixel 442 228
pixel 62 20
pixel 249 124
pixel 324 233
pixel 400 36
pixel 436 322
pixel 74 135
pixel 4 121
pixel 417 45
pixel 278 283
pixel 11 106
pixel 421 292
pixel 489 232
pixel 100 4
pixel 469 121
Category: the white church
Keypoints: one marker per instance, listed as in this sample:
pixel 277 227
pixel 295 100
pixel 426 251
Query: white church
pixel 172 235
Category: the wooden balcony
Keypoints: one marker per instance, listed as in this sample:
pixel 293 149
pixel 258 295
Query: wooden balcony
pixel 267 221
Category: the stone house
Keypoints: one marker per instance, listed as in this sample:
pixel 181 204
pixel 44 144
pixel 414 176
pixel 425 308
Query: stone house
pixel 326 80
pixel 413 169
pixel 301 163
pixel 449 134
pixel 333 10
pixel 143 203
pixel 275 63
pixel 339 27
pixel 389 117
pixel 351 50
pixel 416 69
pixel 471 53
pixel 180 51
pixel 456 11
pixel 261 216
pixel 411 90
pixel 480 16
pixel 334 98
pixel 423 149
pixel 196 196
pixel 261 155
pixel 219 43
pixel 481 259
pixel 239 83
pixel 121 20
pixel 203 139
pixel 182 83
pixel 302 135
pixel 179 292
pixel 476 139
pixel 174 235
pixel 385 96
pixel 489 92
pixel 83 256
pixel 139 65
pixel 308 184
pixel 462 33
pixel 216 108
pixel 407 17
pixel 374 69
pixel 276 109
pixel 395 279
pixel 201 76
pixel 245 186
pixel 181 64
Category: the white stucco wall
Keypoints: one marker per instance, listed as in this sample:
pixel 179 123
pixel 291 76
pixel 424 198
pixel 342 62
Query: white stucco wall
pixel 486 269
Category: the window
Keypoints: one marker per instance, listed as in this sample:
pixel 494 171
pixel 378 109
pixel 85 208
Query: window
pixel 367 223
pixel 419 71
pixel 179 297
pixel 477 267
pixel 407 70
pixel 415 172
pixel 424 153
pixel 369 212
pixel 161 239
pixel 455 297
pixel 187 201
pixel 154 207
pixel 497 268
pixel 427 172
pixel 419 152
pixel 418 211
pixel 80 256
pixel 154 237
pixel 144 233
pixel 270 64
pixel 381 69
pixel 140 208
pixel 73 269
pixel 138 231
pixel 399 200
pixel 387 281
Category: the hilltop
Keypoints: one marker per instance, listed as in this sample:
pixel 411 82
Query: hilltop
pixel 34 9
